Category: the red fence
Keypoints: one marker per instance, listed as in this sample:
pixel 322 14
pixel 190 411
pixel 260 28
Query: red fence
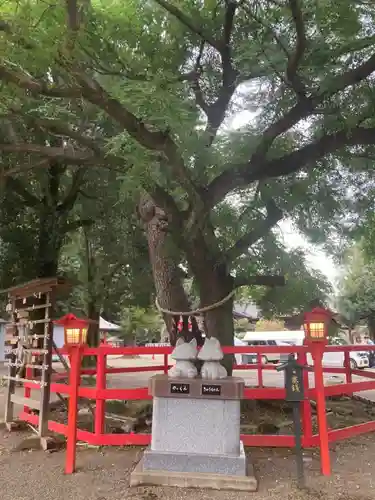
pixel 100 393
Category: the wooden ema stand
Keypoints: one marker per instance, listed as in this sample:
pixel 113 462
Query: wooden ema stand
pixel 28 347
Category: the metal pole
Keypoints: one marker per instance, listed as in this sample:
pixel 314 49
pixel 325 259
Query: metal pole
pixel 298 445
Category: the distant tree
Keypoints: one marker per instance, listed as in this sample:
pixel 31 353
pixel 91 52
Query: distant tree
pixel 269 325
pixel 141 324
pixel 355 299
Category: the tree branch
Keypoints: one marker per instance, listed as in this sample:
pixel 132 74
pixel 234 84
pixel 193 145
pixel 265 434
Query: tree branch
pixel 306 106
pixel 236 177
pixel 24 168
pixel 73 192
pixel 191 24
pixel 216 111
pixel 301 45
pixel 65 154
pixel 259 280
pixel 243 175
pixel 156 141
pixel 58 127
pixel 199 97
pixel 274 214
pixel 27 82
pixel 317 150
pixel 18 187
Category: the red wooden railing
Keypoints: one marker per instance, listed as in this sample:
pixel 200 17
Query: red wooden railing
pixel 100 393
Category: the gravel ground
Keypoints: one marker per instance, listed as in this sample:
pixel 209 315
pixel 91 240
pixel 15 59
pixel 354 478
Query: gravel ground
pixel 104 474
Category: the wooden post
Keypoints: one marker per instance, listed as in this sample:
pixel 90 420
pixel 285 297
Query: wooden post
pixel 12 370
pixel 100 384
pixel 166 364
pixel 47 362
pixel 259 369
pixel 348 370
pixel 74 380
pixel 305 404
pixel 317 351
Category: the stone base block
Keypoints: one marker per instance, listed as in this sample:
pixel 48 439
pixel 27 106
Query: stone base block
pixel 196 426
pixel 141 476
pixel 194 462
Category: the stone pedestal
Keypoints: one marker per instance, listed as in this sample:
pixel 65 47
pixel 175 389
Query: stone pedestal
pixel 195 435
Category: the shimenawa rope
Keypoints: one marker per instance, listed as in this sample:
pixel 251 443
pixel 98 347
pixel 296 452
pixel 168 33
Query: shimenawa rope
pixel 196 311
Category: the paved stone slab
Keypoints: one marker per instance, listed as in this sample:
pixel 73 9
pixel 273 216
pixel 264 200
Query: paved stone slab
pixel 140 476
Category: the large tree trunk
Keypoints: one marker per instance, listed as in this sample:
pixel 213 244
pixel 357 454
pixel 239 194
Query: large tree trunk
pixel 214 285
pixel 371 326
pixel 49 246
pixel 164 260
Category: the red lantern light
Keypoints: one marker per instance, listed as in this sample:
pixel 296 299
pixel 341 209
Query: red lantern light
pixel 316 323
pixel 75 329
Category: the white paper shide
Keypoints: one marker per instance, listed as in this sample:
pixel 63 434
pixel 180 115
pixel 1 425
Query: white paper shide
pixel 212 354
pixel 184 353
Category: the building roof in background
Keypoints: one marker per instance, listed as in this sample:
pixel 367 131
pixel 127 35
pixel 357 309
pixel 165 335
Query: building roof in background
pixel 247 310
pixel 106 325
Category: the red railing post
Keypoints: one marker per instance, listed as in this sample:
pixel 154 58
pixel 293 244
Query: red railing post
pixel 305 405
pixel 166 363
pixel 317 351
pixel 348 370
pixel 100 384
pixel 259 369
pixel 74 380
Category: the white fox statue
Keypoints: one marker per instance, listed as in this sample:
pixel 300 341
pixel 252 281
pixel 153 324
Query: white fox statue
pixel 212 354
pixel 184 353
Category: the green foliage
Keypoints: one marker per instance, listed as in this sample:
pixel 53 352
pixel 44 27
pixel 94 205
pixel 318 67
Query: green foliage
pixel 150 85
pixel 107 261
pixel 140 324
pixel 356 293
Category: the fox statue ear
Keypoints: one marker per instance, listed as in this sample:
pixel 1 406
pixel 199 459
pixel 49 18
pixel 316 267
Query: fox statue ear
pixel 193 342
pixel 180 341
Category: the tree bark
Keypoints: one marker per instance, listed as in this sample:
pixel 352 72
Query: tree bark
pixel 371 326
pixel 164 260
pixel 215 284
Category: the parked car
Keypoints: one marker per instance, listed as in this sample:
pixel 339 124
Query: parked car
pixel 240 358
pixel 269 338
pixel 358 359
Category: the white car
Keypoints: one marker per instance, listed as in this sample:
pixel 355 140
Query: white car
pixel 358 359
pixel 240 358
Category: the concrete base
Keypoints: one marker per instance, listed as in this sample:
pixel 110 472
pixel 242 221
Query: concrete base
pixel 202 426
pixel 140 476
pixel 196 462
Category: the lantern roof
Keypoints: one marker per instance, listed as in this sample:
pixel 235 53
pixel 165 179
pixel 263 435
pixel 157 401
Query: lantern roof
pixel 72 320
pixel 321 311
